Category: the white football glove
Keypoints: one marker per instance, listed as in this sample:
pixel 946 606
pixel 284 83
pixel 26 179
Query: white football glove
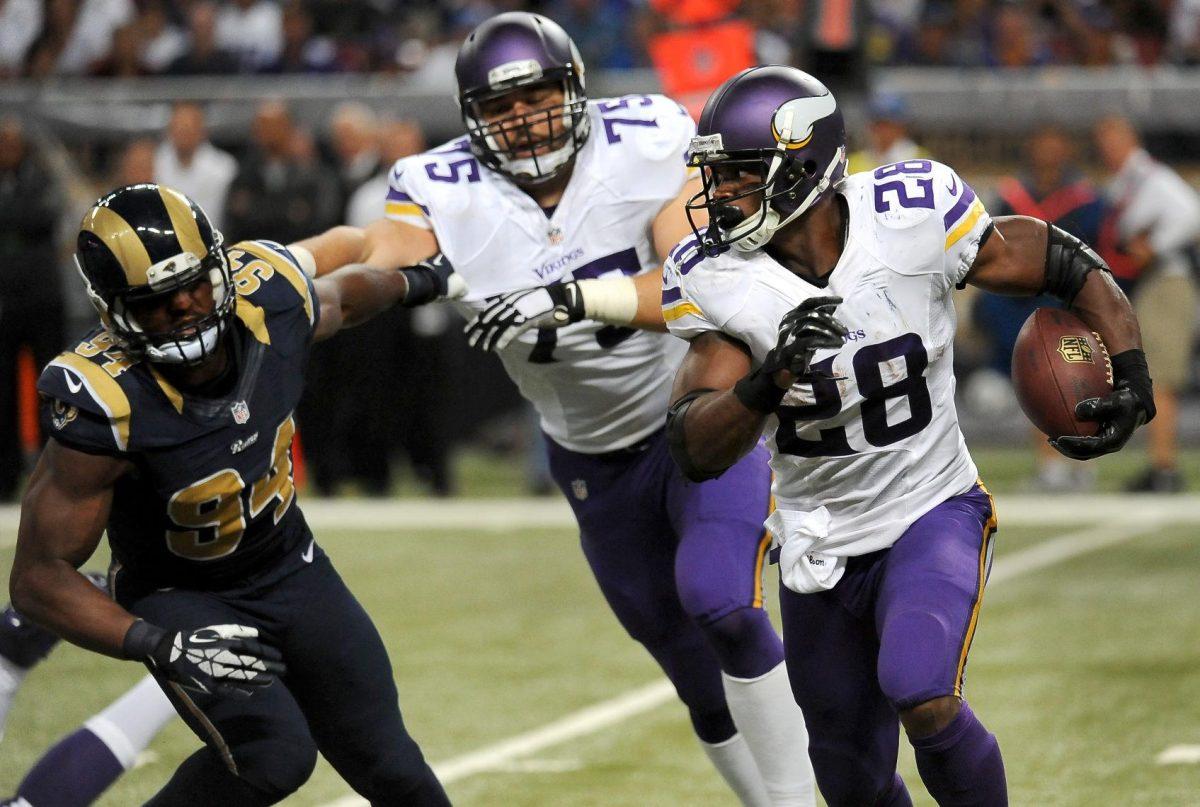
pixel 510 315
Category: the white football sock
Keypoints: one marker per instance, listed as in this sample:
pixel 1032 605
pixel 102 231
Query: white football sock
pixel 131 722
pixel 11 677
pixel 733 761
pixel 766 714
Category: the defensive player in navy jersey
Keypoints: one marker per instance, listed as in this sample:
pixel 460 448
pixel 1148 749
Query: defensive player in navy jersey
pixel 171 428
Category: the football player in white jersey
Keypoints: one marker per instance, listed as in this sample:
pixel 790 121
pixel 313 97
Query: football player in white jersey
pixel 817 306
pixel 558 211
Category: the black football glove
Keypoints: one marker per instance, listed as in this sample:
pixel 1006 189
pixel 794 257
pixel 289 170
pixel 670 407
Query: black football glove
pixel 804 330
pixel 217 659
pixel 432 279
pixel 1120 413
pixel 510 315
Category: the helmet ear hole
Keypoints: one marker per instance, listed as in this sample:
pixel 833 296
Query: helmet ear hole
pixel 810 167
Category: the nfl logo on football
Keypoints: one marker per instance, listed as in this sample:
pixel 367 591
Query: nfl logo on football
pixel 1075 350
pixel 241 412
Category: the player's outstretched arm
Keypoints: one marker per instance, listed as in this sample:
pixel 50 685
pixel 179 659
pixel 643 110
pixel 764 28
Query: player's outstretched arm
pixel 63 515
pixel 634 302
pixel 719 404
pixel 384 245
pixel 1025 257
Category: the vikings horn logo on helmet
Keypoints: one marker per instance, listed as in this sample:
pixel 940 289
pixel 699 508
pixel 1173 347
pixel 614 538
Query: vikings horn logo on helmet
pixel 793 123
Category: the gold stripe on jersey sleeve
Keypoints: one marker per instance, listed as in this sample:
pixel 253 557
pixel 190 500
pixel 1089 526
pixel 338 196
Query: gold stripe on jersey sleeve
pixel 107 225
pixel 292 273
pixel 168 389
pixel 187 232
pixel 681 310
pixel 964 227
pixel 404 209
pixel 254 318
pixel 104 390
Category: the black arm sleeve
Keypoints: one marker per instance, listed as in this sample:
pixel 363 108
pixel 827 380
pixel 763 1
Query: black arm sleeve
pixel 676 440
pixel 1068 262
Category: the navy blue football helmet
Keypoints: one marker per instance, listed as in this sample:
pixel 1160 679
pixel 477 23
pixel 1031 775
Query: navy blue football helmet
pixel 512 51
pixel 144 242
pixel 781 124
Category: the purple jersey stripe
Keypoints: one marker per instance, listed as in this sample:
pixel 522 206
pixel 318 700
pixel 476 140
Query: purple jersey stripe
pixel 676 254
pixel 400 196
pixel 672 296
pixel 960 207
pixel 690 262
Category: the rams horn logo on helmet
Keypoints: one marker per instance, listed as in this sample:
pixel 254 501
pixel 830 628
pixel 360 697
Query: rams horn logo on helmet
pixel 792 123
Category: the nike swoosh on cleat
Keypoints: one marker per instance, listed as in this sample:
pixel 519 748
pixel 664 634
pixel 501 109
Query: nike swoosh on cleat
pixel 73 385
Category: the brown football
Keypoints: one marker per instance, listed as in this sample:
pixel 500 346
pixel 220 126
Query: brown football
pixel 1057 362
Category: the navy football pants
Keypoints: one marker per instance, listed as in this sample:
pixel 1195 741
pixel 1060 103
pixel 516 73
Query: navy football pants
pixel 338 696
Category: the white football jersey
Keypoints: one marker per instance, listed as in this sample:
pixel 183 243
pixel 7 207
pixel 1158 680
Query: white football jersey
pixel 859 455
pixel 597 387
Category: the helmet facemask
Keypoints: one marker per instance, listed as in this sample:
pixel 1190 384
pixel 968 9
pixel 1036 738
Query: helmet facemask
pixel 189 344
pixel 788 189
pixel 504 144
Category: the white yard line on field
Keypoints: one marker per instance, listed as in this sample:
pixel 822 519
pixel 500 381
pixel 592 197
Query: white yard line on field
pixel 616 710
pixel 577 724
pixel 503 515
pixel 1179 755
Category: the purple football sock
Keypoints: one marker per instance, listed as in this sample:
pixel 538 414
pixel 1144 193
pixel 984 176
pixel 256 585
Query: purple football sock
pixel 72 773
pixel 961 764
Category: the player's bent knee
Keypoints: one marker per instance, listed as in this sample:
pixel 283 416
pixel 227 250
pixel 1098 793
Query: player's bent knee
pixel 278 767
pixel 928 718
pixel 918 659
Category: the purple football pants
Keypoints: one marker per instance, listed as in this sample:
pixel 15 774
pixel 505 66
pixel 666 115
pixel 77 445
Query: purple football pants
pixel 680 564
pixel 893 633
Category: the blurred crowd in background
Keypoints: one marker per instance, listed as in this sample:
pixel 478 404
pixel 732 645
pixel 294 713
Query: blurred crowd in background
pixel 415 384
pixel 43 38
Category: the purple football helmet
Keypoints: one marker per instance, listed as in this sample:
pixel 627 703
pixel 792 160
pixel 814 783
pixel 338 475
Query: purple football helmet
pixel 512 51
pixel 781 124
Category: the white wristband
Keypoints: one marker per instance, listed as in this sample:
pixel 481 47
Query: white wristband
pixel 305 258
pixel 613 300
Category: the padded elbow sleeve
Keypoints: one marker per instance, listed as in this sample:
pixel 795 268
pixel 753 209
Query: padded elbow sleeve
pixel 1068 263
pixel 677 442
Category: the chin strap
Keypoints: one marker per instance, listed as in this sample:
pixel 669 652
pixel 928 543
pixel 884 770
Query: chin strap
pixel 761 227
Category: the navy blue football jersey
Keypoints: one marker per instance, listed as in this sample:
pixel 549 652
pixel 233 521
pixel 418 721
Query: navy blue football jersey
pixel 211 499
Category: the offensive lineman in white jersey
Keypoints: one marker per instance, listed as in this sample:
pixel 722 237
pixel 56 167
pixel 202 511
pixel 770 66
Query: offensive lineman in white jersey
pixel 884 530
pixel 556 210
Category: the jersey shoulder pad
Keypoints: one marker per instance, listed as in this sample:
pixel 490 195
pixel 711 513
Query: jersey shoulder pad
pixel 87 396
pixel 927 220
pixel 268 278
pixel 699 292
pixel 433 182
pixel 652 132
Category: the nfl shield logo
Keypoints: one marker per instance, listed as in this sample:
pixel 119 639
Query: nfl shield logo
pixel 579 488
pixel 1075 350
pixel 241 412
